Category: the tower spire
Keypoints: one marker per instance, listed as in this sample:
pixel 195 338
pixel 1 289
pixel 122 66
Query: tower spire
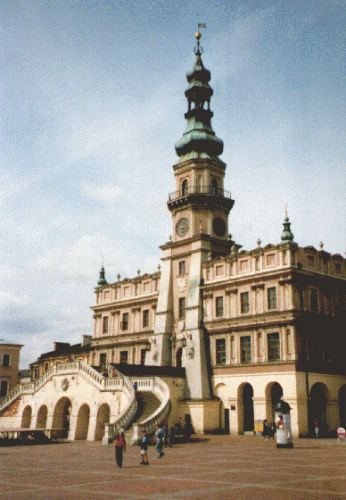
pixel 199 135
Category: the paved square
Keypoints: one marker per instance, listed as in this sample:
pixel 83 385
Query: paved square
pixel 210 467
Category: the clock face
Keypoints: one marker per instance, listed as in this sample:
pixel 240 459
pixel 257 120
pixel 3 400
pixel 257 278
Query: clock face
pixel 182 227
pixel 219 226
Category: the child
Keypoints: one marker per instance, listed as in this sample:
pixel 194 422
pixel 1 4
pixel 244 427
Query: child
pixel 144 448
pixel 120 447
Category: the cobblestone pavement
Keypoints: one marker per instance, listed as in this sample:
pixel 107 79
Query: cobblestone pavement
pixel 210 467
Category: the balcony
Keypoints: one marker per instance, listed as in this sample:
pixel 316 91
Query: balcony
pixel 200 195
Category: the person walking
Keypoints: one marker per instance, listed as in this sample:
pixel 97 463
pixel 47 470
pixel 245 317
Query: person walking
pixel 120 447
pixel 159 436
pixel 265 429
pixel 144 448
pixel 317 428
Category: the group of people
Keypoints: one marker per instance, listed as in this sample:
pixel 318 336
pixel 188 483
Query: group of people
pixel 161 438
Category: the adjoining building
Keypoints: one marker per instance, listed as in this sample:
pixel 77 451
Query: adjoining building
pixel 9 366
pixel 219 334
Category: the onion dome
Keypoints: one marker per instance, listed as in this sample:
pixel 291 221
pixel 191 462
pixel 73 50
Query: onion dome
pixel 287 235
pixel 199 135
pixel 102 280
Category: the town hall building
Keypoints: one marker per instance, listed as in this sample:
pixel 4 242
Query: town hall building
pixel 217 334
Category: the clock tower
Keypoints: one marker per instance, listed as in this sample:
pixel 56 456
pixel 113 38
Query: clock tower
pixel 199 207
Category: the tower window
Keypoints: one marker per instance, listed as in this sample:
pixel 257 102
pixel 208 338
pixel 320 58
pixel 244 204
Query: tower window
pixel 182 267
pixel 272 302
pixel 146 318
pixel 6 360
pixel 245 349
pixel 182 308
pixel 313 300
pixel 125 322
pixel 244 302
pixel 214 186
pixel 219 307
pixel 185 187
pixel 273 346
pixel 220 351
pixel 105 324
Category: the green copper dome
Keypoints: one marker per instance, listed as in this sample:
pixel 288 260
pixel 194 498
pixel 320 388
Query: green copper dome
pixel 287 235
pixel 199 135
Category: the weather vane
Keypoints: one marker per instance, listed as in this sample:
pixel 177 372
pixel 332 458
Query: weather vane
pixel 199 49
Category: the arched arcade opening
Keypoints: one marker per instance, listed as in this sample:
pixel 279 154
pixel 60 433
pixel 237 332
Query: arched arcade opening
pixel 273 394
pixel 41 421
pixel 318 408
pixel 26 417
pixel 82 422
pixel 61 416
pixel 342 406
pixel 245 408
pixel 103 415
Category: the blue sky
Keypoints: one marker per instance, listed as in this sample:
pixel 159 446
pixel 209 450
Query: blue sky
pixel 93 102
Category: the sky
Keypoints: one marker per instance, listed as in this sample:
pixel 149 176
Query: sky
pixel 92 98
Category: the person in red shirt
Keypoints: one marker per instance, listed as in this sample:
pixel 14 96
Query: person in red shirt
pixel 120 447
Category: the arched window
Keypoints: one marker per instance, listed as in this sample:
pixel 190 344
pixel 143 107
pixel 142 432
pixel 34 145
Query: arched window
pixel 214 186
pixel 185 187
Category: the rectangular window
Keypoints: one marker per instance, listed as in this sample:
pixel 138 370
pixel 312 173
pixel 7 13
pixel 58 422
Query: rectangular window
pixel 125 322
pixel 272 302
pixel 6 360
pixel 219 307
pixel 3 388
pixel 123 357
pixel 244 302
pixel 220 351
pixel 146 318
pixel 273 346
pixel 245 349
pixel 182 308
pixel 182 267
pixel 105 324
pixel 313 299
pixel 143 351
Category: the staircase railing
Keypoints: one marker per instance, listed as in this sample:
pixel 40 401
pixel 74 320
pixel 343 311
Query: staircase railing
pixel 130 410
pixel 161 390
pixel 104 384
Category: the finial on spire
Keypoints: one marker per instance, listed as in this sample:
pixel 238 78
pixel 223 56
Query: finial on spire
pixel 199 49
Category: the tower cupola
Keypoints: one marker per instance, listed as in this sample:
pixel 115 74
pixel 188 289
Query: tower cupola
pixel 102 280
pixel 199 135
pixel 287 234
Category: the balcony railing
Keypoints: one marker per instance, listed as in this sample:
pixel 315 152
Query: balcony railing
pixel 199 190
